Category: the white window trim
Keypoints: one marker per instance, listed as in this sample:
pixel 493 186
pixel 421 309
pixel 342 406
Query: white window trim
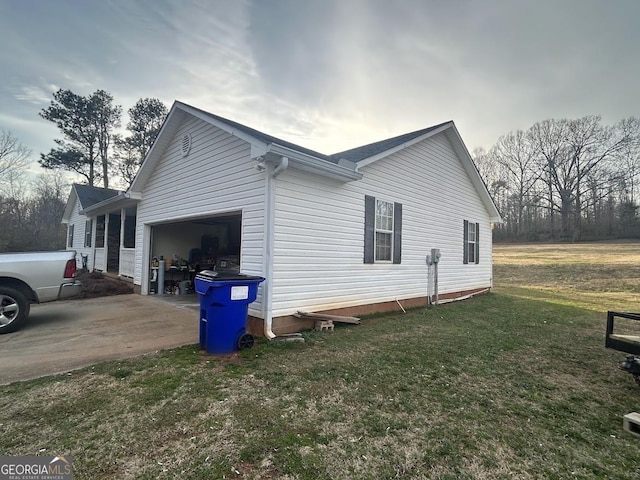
pixel 377 230
pixel 471 244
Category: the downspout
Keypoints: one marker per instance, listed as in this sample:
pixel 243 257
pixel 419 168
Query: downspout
pixel 270 217
pixel 282 166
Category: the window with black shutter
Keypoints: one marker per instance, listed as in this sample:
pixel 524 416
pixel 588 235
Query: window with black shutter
pixel 471 244
pixel 382 231
pixel 88 227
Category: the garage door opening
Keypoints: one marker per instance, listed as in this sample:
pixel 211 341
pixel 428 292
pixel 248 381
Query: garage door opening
pixel 187 247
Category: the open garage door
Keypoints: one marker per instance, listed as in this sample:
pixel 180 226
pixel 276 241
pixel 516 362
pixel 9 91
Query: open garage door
pixel 187 247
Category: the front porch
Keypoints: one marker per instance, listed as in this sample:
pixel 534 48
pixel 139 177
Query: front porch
pixel 113 250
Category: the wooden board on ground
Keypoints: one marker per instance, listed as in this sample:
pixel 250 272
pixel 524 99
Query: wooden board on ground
pixel 333 318
pixel 627 338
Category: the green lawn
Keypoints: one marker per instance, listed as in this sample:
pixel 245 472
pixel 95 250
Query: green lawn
pixel 513 384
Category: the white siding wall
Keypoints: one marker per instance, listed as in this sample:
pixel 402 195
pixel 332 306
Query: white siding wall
pixel 319 232
pixel 79 222
pixel 217 176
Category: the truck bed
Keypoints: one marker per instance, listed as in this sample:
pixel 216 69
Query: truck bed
pixel 628 340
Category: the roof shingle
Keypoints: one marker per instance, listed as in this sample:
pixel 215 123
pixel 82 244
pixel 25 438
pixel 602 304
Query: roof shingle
pixel 88 195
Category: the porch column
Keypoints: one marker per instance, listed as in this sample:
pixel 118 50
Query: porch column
pixel 123 219
pixel 105 242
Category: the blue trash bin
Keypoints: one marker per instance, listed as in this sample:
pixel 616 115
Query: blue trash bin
pixel 224 302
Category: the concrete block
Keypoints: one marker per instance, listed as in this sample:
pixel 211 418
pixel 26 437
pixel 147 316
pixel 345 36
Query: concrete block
pixel 324 325
pixel 631 423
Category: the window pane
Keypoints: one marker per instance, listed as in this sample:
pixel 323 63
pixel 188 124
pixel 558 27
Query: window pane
pixel 100 224
pixel 383 246
pixel 384 215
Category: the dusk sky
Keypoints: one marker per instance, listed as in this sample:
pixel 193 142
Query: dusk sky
pixel 327 74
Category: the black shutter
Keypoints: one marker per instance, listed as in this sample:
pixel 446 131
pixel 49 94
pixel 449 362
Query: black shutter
pixel 369 228
pixel 465 243
pixel 477 243
pixel 397 233
pixel 88 227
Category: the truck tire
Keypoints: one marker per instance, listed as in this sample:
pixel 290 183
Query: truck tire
pixel 14 309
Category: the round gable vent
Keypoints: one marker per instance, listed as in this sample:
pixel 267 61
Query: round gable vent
pixel 186 144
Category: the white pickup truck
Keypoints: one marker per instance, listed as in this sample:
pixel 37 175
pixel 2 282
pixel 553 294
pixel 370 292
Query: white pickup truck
pixel 34 277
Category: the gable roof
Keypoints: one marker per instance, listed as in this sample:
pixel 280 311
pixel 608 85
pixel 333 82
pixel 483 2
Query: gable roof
pixel 343 166
pixel 366 151
pixel 264 137
pixel 86 196
pixel 262 145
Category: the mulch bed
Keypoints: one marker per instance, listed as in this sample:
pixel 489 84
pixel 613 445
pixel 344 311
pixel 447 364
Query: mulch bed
pixel 97 284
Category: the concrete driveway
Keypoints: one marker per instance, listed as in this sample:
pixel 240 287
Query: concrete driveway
pixel 70 334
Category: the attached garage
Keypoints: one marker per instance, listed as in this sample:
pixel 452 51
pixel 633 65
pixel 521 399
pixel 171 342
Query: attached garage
pixel 189 246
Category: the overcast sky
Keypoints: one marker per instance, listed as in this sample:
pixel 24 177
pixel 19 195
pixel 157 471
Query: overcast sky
pixel 327 74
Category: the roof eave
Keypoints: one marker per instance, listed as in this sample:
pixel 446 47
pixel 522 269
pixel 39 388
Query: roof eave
pixel 474 175
pixel 66 216
pixel 122 200
pixel 308 163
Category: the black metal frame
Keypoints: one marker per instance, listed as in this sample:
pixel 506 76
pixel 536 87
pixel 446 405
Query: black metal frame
pixel 617 344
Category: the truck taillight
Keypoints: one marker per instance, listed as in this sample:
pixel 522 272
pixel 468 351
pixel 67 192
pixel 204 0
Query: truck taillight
pixel 70 269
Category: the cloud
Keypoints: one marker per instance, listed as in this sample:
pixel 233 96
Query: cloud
pixel 35 95
pixel 331 74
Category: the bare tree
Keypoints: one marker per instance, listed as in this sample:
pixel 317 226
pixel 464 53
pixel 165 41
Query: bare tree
pixel 517 155
pixel 549 140
pixel 592 147
pixel 629 156
pixel 14 159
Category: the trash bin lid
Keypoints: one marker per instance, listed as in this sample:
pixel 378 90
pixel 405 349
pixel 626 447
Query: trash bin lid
pixel 213 275
pixel 208 274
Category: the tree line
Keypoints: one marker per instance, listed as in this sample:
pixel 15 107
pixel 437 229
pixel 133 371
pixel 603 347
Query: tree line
pixel 90 147
pixel 567 180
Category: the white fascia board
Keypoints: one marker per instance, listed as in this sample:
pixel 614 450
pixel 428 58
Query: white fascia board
pixel 366 161
pixel 223 126
pixel 122 200
pixel 311 164
pixel 169 127
pixel 467 162
pixel 73 198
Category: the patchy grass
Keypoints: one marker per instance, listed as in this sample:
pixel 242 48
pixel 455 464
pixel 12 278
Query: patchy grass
pixel 514 384
pixel 596 276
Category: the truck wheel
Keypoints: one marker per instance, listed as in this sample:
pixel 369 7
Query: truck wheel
pixel 14 309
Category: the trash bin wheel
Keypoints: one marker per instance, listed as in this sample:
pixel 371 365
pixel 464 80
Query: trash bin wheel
pixel 245 341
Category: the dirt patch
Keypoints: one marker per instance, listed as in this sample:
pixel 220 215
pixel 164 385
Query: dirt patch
pixel 97 284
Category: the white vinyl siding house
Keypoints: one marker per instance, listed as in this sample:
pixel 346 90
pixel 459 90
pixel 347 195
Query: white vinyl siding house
pixel 345 232
pixel 320 230
pixel 103 240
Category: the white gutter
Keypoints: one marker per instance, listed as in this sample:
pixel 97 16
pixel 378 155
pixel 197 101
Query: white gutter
pixel 270 218
pixel 113 203
pixel 464 297
pixel 344 172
